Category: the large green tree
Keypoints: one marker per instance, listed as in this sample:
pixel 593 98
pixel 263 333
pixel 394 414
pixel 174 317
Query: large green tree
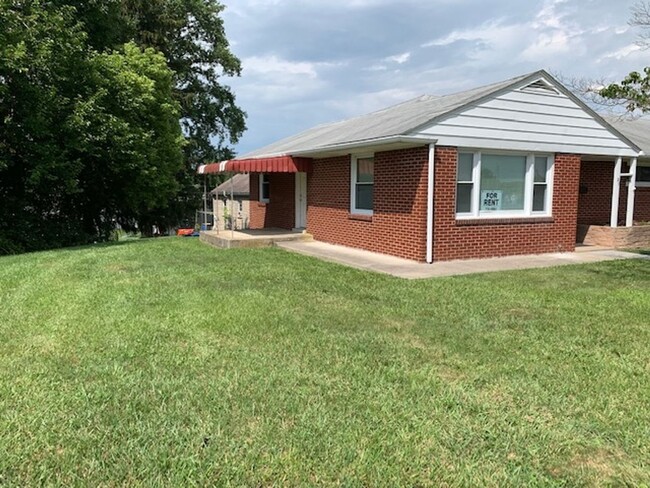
pixel 89 139
pixel 108 106
pixel 124 131
pixel 41 50
pixel 191 35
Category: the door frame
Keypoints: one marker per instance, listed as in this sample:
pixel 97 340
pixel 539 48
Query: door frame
pixel 300 203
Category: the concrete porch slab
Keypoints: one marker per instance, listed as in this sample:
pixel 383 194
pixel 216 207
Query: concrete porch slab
pixel 404 268
pixel 226 239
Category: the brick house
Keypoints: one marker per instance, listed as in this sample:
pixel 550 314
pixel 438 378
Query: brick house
pixel 509 168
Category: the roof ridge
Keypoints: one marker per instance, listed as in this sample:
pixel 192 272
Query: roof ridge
pixel 399 119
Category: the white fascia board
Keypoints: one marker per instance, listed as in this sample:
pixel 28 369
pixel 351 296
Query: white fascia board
pixel 478 143
pixel 366 143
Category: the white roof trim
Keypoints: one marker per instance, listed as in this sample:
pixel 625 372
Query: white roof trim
pixel 379 141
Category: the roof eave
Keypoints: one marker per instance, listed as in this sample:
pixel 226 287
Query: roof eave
pixel 365 143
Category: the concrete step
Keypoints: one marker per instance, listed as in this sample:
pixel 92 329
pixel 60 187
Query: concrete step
pixel 224 239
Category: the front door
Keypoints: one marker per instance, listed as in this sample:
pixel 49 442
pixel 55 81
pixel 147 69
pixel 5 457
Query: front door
pixel 301 200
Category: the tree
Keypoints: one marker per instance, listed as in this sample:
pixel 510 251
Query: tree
pixel 633 91
pixel 641 18
pixel 191 35
pixel 124 128
pixel 40 50
pixel 89 139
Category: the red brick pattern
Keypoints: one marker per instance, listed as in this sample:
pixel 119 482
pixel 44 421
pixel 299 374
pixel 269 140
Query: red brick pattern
pixel 280 211
pixel 642 204
pixel 398 224
pixel 480 239
pixel 595 203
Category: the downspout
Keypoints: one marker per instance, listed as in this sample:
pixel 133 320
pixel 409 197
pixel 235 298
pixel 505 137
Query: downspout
pixel 430 191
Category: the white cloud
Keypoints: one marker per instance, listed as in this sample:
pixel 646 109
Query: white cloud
pixel 621 53
pixel 270 79
pixel 275 65
pixel 359 104
pixel 399 58
pixel 548 45
pixel 549 17
pixel 538 40
pixel 386 53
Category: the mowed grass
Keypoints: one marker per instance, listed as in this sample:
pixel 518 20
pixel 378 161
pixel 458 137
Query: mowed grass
pixel 170 363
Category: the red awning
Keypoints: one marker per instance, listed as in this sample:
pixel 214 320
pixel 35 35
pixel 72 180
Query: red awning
pixel 279 164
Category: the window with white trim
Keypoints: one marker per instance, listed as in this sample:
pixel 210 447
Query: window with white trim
pixel 643 174
pixel 502 185
pixel 362 187
pixel 265 188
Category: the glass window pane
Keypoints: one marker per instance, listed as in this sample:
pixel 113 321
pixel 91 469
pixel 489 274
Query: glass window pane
pixel 364 197
pixel 502 182
pixel 365 170
pixel 541 165
pixel 265 187
pixel 643 174
pixel 464 198
pixel 465 164
pixel 539 198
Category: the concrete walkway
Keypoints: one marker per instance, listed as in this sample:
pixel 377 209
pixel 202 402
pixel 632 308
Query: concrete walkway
pixel 404 268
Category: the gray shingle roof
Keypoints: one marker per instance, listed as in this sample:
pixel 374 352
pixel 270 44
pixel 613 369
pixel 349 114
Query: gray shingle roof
pixel 397 120
pixel 240 186
pixel 638 131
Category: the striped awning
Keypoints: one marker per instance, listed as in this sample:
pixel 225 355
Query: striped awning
pixel 279 164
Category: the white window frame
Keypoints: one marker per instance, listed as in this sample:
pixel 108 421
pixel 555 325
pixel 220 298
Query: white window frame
pixel 641 183
pixel 353 185
pixel 529 183
pixel 261 192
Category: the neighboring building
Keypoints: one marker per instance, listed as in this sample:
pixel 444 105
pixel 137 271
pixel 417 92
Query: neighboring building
pixel 509 168
pixel 231 202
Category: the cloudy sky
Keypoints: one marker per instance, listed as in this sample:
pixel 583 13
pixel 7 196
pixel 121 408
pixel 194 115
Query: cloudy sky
pixel 313 61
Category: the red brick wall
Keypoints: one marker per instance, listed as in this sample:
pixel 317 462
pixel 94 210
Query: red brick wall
pixel 398 224
pixel 479 239
pixel 280 211
pixel 642 204
pixel 595 204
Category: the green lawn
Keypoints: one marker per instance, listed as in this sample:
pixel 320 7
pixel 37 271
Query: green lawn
pixel 167 362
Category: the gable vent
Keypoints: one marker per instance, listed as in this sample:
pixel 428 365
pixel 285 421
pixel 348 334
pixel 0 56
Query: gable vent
pixel 541 86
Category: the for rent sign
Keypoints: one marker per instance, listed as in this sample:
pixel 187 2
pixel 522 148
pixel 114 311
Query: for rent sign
pixel 491 199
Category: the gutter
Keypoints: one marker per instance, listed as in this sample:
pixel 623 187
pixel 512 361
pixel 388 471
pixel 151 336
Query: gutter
pixel 360 144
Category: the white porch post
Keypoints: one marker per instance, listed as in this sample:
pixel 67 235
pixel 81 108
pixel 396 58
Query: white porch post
pixel 616 189
pixel 430 190
pixel 629 217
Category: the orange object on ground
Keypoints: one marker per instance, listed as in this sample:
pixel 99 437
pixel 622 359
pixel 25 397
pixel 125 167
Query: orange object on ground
pixel 184 232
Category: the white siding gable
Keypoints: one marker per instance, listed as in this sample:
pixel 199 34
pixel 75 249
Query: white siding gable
pixel 528 120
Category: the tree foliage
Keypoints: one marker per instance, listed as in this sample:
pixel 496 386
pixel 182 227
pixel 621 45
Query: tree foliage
pixel 190 33
pixel 633 91
pixel 107 107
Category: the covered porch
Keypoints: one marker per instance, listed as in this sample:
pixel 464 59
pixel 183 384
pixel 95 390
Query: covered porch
pixel 278 189
pixel 614 203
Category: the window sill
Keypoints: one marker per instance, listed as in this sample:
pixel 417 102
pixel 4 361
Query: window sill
pixel 361 217
pixel 505 221
pixel 262 204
